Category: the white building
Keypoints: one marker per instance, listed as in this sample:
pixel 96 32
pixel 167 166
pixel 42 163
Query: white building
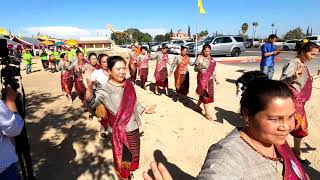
pixel 95 43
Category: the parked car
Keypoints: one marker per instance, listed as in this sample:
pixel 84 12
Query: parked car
pixel 177 48
pixel 249 43
pixel 290 44
pixel 156 46
pixel 221 45
pixel 315 39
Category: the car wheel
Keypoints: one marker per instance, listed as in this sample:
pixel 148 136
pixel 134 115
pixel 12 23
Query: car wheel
pixel 235 52
pixel 286 48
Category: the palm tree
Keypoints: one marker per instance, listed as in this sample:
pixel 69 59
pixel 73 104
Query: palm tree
pixel 254 24
pixel 272 26
pixel 244 28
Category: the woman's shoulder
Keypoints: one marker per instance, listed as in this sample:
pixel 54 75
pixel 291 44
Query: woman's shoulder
pixel 224 158
pixel 228 149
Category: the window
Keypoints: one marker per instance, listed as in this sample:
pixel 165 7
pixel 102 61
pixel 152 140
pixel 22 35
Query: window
pixel 98 45
pixel 179 42
pixel 226 40
pixel 238 39
pixel 312 38
pixel 291 42
pixel 218 40
pixel 207 40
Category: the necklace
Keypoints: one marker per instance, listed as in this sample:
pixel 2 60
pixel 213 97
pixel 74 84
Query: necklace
pixel 269 159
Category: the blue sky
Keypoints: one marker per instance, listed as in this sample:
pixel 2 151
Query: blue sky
pixel 70 18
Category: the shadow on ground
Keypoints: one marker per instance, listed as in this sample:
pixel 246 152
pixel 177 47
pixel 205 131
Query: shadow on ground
pixel 52 161
pixel 173 169
pixel 230 116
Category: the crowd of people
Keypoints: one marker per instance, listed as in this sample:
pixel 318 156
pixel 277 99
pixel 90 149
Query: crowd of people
pixel 270 109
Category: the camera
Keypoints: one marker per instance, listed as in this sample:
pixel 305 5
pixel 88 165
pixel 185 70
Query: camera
pixel 11 68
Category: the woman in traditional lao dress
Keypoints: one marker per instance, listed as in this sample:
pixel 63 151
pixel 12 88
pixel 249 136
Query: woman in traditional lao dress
pixel 205 66
pixel 161 71
pixel 181 74
pixel 119 97
pixel 143 66
pixel 296 74
pixel 66 75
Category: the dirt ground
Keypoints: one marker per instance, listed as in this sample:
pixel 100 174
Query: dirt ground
pixel 65 144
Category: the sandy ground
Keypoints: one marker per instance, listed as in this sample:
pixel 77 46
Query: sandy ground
pixel 65 144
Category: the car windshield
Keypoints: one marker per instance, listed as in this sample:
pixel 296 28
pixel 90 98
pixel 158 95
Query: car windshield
pixel 312 38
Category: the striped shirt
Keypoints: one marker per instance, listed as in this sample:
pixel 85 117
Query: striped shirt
pixel 11 125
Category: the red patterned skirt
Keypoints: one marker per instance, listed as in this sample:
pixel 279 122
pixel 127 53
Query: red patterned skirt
pixel 133 71
pixel 163 81
pixel 209 96
pixel 81 90
pixel 184 86
pixel 131 154
pixel 143 72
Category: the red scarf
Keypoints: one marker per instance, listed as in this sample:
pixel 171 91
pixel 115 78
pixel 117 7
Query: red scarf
pixel 292 167
pixel 162 64
pixel 203 78
pixel 119 122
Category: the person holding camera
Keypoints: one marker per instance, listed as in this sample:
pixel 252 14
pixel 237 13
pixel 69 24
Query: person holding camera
pixel 11 125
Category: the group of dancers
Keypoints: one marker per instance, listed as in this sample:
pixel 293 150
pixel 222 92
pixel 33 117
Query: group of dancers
pixel 204 65
pixel 101 84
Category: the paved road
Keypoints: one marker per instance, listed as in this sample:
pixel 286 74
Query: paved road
pixel 314 65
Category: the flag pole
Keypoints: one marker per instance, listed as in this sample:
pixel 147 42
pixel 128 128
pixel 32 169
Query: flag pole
pixel 195 54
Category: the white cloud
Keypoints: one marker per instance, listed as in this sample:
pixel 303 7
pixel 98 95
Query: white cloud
pixel 154 31
pixel 67 32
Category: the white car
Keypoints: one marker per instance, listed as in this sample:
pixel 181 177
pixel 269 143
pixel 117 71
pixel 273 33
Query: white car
pixel 314 38
pixel 290 45
pixel 177 48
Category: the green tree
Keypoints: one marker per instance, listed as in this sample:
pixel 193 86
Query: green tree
pixel 159 38
pixel 118 37
pixel 131 35
pixel 146 38
pixel 244 28
pixel 294 34
pixel 254 25
pixel 272 27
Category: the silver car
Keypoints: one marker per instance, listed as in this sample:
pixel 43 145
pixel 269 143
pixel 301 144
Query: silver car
pixel 222 45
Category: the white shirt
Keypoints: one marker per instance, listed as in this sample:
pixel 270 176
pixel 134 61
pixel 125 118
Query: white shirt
pixel 11 125
pixel 99 77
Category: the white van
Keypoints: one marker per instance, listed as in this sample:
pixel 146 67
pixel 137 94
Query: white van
pixel 315 39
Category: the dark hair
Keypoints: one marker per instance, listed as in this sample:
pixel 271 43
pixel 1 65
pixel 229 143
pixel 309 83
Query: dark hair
pixel 204 47
pixel 259 93
pixel 113 60
pixel 62 55
pixel 164 46
pixel 272 36
pixel 250 76
pixel 145 48
pixel 183 47
pixel 100 56
pixel 92 54
pixel 302 47
pixel 78 51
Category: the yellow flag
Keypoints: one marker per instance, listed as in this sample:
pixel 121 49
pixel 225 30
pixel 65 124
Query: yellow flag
pixel 20 35
pixel 3 31
pixel 202 10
